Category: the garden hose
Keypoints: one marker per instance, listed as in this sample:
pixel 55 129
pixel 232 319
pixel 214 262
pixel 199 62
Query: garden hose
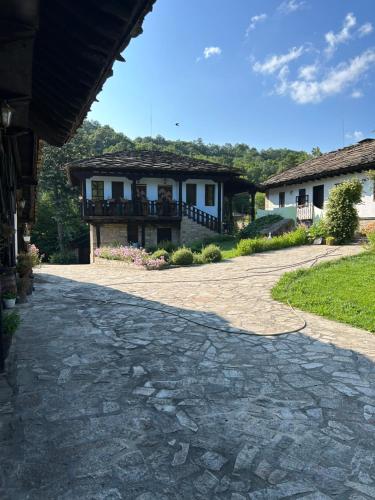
pixel 313 261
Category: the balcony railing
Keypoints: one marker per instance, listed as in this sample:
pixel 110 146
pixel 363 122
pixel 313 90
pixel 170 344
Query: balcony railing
pixel 128 208
pixel 153 209
pixel 302 199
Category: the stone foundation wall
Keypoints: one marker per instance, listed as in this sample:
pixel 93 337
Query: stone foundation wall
pixel 109 234
pixel 191 231
pixel 363 222
pixel 151 234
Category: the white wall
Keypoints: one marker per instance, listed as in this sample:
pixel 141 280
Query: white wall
pixel 366 209
pixel 152 189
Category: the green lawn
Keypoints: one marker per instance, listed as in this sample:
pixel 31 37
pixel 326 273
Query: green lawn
pixel 342 290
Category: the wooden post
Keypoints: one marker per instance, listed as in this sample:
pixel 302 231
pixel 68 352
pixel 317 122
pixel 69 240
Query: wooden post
pixel 252 206
pixel 180 198
pixel 143 236
pixel 219 215
pixel 97 228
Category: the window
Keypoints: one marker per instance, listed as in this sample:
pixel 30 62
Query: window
pixel 164 234
pixel 97 190
pixel 209 199
pixel 165 192
pixel 141 192
pixel 282 199
pixel 191 194
pixel 318 196
pixel 117 190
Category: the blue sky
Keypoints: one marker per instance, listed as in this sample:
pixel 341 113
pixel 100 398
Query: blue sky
pixel 293 73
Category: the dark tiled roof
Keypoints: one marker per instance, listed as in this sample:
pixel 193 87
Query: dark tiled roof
pixel 354 158
pixel 147 161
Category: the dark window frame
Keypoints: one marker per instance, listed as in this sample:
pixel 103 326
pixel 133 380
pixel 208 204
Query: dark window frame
pixel 281 199
pixel 209 195
pixel 193 201
pixel 95 190
pixel 117 183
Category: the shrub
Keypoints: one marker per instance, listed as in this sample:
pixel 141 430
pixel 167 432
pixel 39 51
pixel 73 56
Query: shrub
pixel 245 247
pixel 154 264
pixel 342 216
pixel 318 230
pixel 371 240
pixel 198 258
pixel 254 228
pixel 66 257
pixel 11 321
pixel 294 238
pixel 161 253
pixel 167 245
pixel 36 258
pixel 182 257
pixel 330 240
pixel 9 295
pixel 211 253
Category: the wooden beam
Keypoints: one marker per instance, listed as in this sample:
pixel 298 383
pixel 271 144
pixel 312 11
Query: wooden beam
pixel 219 214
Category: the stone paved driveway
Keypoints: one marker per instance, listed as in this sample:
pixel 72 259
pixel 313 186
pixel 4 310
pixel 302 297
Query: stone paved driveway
pixel 123 389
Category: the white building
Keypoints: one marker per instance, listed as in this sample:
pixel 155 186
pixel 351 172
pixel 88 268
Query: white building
pixel 302 191
pixel 146 197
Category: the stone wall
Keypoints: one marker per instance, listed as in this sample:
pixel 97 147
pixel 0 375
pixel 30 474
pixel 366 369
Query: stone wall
pixel 109 234
pixel 151 234
pixel 191 231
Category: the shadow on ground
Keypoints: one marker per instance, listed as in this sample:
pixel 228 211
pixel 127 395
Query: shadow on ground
pixel 114 400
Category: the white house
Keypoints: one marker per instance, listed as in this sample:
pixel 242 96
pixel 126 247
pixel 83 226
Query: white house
pixel 146 197
pixel 302 191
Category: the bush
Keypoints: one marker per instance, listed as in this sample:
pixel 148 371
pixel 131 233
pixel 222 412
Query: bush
pixel 342 216
pixel 11 321
pixel 9 295
pixel 198 258
pixel 371 240
pixel 330 240
pixel 67 257
pixel 318 230
pixel 167 245
pixel 294 238
pixel 254 228
pixel 211 253
pixel 182 257
pixel 161 253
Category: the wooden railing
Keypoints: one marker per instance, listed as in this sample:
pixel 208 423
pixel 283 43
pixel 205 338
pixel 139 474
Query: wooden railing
pixel 306 212
pixel 201 217
pixel 128 208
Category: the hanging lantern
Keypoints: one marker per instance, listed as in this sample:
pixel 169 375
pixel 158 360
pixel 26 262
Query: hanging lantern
pixel 6 114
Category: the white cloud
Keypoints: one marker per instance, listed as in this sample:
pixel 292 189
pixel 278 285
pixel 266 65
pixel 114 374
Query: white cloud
pixel 357 94
pixel 365 29
pixel 290 6
pixel 211 51
pixel 276 62
pixel 355 136
pixel 308 72
pixel 336 80
pixel 345 34
pixel 259 18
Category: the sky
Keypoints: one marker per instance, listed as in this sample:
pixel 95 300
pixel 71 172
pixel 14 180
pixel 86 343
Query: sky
pixel 268 73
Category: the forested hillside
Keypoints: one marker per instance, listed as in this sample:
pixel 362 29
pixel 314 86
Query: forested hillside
pixel 58 221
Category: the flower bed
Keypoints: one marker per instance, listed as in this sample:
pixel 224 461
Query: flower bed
pixel 131 255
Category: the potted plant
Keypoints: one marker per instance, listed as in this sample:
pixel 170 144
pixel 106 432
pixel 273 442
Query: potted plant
pixel 9 299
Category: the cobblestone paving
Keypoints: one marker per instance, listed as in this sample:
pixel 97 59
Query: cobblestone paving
pixel 114 401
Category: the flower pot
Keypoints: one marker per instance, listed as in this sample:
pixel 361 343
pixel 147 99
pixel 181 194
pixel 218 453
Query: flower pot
pixel 9 303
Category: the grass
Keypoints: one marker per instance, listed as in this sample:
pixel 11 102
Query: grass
pixel 227 245
pixel 342 290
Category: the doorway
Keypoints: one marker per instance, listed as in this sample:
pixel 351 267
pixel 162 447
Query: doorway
pixel 318 196
pixel 132 233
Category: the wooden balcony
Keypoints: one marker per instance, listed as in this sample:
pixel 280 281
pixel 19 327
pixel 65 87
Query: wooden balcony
pixel 127 209
pixel 146 211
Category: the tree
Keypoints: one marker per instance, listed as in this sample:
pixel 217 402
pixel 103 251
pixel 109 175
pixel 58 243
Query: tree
pixel 315 152
pixel 342 215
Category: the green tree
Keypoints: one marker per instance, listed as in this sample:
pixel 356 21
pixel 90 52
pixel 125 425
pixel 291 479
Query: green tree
pixel 342 215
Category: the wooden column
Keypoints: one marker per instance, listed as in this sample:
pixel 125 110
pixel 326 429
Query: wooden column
pixel 143 236
pixel 97 228
pixel 252 206
pixel 180 198
pixel 219 209
pixel 134 190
